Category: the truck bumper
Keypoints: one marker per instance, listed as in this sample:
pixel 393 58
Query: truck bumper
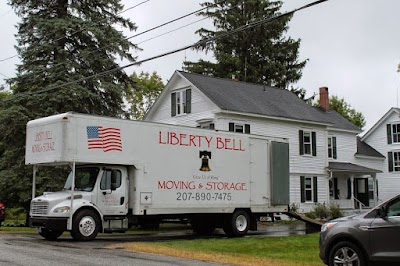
pixel 55 224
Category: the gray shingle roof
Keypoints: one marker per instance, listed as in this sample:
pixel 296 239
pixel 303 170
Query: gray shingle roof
pixel 338 120
pixel 351 167
pixel 236 96
pixel 364 149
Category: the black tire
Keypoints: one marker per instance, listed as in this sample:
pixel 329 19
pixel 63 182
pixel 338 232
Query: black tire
pixel 346 253
pixel 237 224
pixel 85 226
pixel 49 234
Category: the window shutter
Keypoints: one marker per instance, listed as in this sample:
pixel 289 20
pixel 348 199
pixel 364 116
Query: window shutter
pixel 389 133
pixel 335 188
pixel 314 143
pixel 247 128
pixel 334 147
pixel 173 104
pixel 315 192
pixel 188 101
pixel 390 160
pixel 302 189
pixel 232 127
pixel 301 142
pixel 348 188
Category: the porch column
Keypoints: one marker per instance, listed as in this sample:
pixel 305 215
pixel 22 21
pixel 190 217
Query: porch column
pixel 352 190
pixel 328 188
pixel 374 188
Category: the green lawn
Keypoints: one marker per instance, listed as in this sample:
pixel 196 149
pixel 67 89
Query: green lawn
pixel 282 251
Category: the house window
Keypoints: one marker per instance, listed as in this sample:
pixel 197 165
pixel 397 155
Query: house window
pixel 308 143
pixel 181 102
pixel 308 187
pixel 394 161
pixel 393 133
pixel 396 133
pixel 206 125
pixel 332 152
pixel 239 128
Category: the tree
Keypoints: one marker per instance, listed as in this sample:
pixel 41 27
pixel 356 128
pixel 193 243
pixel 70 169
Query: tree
pixel 142 96
pixel 345 109
pixel 261 54
pixel 59 42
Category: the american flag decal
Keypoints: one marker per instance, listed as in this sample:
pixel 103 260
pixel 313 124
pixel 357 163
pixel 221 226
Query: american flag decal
pixel 105 138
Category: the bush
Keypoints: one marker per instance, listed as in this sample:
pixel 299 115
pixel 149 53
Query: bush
pixel 15 217
pixel 335 211
pixel 321 211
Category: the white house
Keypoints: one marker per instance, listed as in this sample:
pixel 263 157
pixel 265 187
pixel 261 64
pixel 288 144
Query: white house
pixel 328 162
pixel 385 137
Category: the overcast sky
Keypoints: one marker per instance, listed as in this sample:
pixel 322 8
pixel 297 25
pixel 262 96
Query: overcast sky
pixel 352 46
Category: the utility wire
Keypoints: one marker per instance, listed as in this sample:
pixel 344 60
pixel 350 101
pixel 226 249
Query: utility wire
pixel 75 32
pixel 168 32
pixel 2 15
pixel 201 42
pixel 138 34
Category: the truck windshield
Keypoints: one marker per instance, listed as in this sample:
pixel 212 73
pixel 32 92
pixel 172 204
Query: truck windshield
pixel 85 179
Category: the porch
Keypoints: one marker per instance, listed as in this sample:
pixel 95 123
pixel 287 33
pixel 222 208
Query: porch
pixel 352 187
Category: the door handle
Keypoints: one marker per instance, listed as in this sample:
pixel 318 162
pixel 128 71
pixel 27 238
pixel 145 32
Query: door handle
pixel 122 200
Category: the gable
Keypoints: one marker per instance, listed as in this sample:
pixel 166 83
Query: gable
pixel 391 116
pixel 161 109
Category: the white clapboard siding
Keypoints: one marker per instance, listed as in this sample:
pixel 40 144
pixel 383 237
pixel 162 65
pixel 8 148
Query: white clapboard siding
pixel 346 145
pixel 388 182
pixel 202 108
pixel 307 164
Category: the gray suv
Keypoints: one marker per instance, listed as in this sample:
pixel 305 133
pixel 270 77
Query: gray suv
pixel 363 239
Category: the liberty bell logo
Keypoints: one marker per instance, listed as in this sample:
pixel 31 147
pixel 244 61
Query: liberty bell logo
pixel 205 157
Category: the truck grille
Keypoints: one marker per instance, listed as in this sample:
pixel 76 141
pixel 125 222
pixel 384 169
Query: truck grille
pixel 39 207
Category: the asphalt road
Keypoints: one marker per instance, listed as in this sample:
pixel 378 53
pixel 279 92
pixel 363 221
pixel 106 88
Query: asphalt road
pixel 32 249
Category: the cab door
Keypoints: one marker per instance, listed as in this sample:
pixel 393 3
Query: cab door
pixel 112 195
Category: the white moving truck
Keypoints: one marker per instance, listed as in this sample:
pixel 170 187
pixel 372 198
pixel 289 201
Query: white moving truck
pixel 126 173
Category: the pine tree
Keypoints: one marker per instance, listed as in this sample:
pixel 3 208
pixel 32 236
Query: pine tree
pixel 63 41
pixel 261 54
pixel 59 42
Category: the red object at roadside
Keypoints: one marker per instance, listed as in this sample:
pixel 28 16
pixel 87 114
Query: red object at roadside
pixel 2 212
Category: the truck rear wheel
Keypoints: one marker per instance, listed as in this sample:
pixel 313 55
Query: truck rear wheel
pixel 237 224
pixel 49 234
pixel 86 225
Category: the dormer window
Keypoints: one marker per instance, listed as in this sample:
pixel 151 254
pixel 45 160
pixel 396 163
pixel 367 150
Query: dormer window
pixel 181 102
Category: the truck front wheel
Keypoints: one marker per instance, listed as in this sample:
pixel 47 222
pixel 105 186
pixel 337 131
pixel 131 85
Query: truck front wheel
pixel 237 224
pixel 49 234
pixel 86 225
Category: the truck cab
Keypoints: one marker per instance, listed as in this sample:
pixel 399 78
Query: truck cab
pixel 100 194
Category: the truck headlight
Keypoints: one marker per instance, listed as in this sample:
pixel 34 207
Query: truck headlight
pixel 62 209
pixel 327 226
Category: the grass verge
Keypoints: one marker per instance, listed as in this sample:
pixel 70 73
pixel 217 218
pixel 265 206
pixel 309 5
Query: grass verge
pixel 280 251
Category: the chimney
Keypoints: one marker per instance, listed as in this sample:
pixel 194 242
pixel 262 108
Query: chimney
pixel 324 98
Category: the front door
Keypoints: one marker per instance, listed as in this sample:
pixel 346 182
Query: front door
pixel 361 190
pixel 112 192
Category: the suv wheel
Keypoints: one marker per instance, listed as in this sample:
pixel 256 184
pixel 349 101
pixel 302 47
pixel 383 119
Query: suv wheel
pixel 347 254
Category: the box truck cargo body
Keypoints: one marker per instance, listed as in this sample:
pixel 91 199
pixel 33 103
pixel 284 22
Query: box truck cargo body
pixel 126 173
